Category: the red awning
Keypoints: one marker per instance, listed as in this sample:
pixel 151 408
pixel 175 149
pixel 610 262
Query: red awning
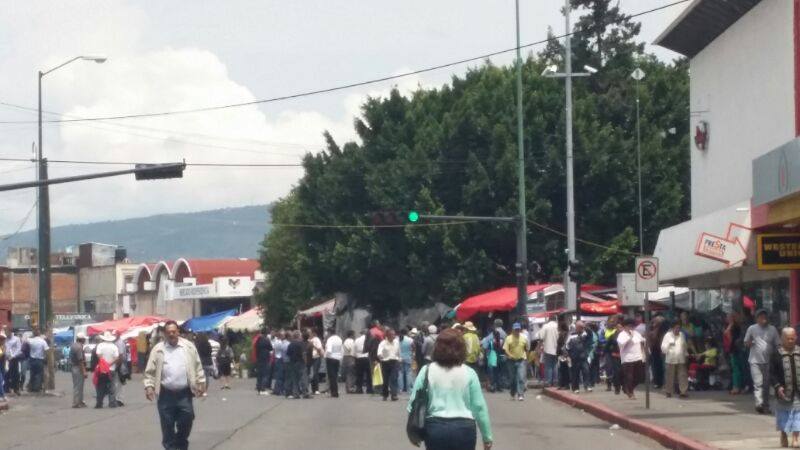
pixel 123 325
pixel 601 308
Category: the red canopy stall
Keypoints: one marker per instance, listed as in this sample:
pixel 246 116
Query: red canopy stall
pixel 122 325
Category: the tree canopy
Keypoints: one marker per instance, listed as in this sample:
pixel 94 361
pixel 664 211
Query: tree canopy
pixel 452 150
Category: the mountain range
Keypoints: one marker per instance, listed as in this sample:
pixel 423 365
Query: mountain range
pixel 220 233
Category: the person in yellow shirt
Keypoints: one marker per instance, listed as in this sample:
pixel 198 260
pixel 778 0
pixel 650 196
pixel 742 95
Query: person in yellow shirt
pixel 515 348
pixel 473 344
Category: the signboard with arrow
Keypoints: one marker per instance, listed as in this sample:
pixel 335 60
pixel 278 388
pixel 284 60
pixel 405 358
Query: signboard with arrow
pixel 728 249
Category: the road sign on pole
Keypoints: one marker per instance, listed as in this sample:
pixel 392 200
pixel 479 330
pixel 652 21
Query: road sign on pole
pixel 646 274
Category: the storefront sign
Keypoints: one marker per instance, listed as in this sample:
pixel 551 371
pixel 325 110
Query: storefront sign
pixel 778 251
pixel 201 291
pixel 777 174
pixel 721 249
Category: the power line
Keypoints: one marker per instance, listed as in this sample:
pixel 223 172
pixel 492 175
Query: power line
pixel 130 163
pixel 336 88
pixel 21 224
pixel 583 241
pixel 361 226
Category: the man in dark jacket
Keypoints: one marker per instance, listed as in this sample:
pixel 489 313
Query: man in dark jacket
pixel 612 355
pixel 263 350
pixel 580 349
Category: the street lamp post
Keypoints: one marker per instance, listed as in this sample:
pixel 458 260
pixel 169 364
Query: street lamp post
pixel 43 223
pixel 639 75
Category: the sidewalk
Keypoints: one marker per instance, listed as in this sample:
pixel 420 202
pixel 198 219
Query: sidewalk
pixel 714 418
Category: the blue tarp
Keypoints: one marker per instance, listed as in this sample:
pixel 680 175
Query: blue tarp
pixel 64 337
pixel 207 323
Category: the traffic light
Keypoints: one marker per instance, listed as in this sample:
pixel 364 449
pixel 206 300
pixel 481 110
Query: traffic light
pixel 159 171
pixel 575 271
pixel 382 218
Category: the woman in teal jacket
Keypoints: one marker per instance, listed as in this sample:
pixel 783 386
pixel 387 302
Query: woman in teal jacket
pixel 455 399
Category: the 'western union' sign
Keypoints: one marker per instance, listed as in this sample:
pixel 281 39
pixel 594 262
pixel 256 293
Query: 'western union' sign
pixel 778 251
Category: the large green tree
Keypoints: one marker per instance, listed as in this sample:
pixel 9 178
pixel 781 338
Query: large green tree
pixel 453 151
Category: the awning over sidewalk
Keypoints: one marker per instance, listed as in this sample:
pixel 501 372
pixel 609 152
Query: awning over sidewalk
pixel 677 246
pixel 249 321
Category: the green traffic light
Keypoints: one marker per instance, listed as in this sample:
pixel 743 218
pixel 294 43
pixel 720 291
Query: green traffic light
pixel 413 216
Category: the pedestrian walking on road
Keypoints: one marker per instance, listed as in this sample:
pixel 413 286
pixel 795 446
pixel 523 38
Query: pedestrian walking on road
pixel 2 366
pixel 580 350
pixel 492 347
pixel 762 339
pixel 675 348
pixel 733 344
pixel 317 353
pixel 473 343
pixel 516 350
pixel 174 375
pixel 279 346
pixel 429 343
pixel 613 367
pixel 13 358
pixel 38 349
pixel 334 353
pixel 77 361
pixel 349 362
pixel 389 357
pixel 107 357
pixel 455 400
pixel 632 353
pixel 296 381
pixel 405 377
pixel 204 350
pixel 363 373
pixel 785 372
pixel 262 346
pixel 225 358
pixel 548 335
pixel 122 372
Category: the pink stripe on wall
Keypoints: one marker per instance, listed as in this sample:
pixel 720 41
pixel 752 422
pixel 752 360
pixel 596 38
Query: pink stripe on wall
pixel 797 67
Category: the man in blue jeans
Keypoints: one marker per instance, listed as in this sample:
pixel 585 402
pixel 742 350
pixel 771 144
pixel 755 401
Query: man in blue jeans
pixel 548 334
pixel 38 347
pixel 404 377
pixel 516 350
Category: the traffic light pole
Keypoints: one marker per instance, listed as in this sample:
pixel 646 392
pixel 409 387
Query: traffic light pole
pixel 153 169
pixel 521 269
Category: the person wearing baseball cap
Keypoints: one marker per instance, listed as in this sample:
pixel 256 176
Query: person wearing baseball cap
pixel 77 361
pixel 473 344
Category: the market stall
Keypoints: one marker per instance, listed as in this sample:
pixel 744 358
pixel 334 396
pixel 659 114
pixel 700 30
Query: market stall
pixel 208 322
pixel 249 321
pixel 122 326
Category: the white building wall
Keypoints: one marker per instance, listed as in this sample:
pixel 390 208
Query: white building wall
pixel 742 84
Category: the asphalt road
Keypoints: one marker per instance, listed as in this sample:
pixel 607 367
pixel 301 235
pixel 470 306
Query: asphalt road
pixel 239 419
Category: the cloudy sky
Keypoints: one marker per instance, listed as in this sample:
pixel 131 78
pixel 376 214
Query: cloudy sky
pixel 184 54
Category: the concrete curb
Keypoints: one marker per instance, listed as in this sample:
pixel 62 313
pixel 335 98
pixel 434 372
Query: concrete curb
pixel 662 435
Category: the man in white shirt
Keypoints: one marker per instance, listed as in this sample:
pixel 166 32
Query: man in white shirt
pixel 317 354
pixel 38 348
pixel 549 337
pixel 334 352
pixel 631 347
pixel 107 351
pixel 349 362
pixel 363 374
pixel 389 357
pixel 675 350
pixel 174 374
pixel 14 356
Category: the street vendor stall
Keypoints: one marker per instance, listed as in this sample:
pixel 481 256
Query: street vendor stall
pixel 122 326
pixel 249 321
pixel 208 322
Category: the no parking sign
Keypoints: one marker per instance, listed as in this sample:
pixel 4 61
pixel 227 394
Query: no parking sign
pixel 646 274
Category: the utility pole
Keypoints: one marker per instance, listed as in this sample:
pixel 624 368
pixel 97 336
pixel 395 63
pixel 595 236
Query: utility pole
pixel 570 176
pixel 522 240
pixel 43 229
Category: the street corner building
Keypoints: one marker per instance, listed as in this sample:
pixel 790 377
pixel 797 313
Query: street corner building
pixel 187 288
pixel 741 249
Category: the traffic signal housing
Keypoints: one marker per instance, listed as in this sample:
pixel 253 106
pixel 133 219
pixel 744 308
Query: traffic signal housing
pixel 159 171
pixel 575 271
pixel 383 218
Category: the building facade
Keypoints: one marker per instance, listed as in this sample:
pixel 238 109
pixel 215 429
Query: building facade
pixel 187 288
pixel 744 99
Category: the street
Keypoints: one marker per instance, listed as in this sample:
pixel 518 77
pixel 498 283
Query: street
pixel 238 419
